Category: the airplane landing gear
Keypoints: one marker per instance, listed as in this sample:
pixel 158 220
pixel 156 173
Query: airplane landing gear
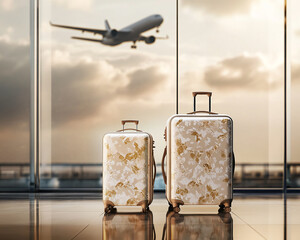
pixel 133 46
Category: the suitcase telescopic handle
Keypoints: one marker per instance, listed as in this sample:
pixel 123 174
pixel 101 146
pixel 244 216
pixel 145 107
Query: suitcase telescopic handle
pixel 209 94
pixel 130 121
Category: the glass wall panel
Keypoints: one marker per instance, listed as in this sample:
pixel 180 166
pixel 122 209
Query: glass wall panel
pixel 14 94
pixel 235 49
pixel 293 166
pixel 87 88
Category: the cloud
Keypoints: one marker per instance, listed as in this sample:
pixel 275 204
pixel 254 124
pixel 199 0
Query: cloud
pixel 241 72
pixel 143 81
pixel 73 94
pixel 81 88
pixel 220 8
pixel 15 84
pixel 85 89
pixel 297 32
pixel 12 5
pixel 89 96
pixel 75 4
pixel 295 73
pixel 130 60
pixel 8 5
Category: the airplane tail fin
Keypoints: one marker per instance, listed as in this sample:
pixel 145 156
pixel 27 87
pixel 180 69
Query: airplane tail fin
pixel 107 25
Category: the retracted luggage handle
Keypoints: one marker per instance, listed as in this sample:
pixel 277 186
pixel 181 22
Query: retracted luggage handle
pixel 130 121
pixel 209 94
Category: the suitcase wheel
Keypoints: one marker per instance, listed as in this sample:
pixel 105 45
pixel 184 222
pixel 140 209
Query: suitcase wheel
pixel 176 209
pixel 227 209
pixel 145 209
pixel 225 206
pixel 223 209
pixel 109 209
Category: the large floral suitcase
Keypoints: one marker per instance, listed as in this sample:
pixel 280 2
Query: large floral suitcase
pixel 200 158
pixel 128 168
pixel 198 226
pixel 128 226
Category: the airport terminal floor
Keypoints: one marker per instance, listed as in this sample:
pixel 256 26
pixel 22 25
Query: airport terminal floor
pixel 81 216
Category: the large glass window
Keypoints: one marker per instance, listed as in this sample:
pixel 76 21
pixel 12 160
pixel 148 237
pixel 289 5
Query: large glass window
pixel 293 166
pixel 14 94
pixel 87 88
pixel 235 49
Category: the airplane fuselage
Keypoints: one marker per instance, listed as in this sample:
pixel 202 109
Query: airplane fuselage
pixel 133 31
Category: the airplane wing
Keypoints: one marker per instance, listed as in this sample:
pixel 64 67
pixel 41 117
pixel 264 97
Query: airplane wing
pixel 92 30
pixel 87 39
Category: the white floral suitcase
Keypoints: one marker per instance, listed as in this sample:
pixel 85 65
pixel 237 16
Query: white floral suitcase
pixel 200 158
pixel 198 226
pixel 128 168
pixel 128 226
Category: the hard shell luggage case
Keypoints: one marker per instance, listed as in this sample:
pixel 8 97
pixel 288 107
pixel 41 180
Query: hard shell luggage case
pixel 128 226
pixel 128 168
pixel 198 226
pixel 200 158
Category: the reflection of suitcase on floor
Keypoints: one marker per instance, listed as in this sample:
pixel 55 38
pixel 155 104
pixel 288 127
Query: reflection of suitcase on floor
pixel 128 226
pixel 199 158
pixel 128 168
pixel 198 226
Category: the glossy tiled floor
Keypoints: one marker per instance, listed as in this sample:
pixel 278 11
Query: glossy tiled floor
pixel 71 217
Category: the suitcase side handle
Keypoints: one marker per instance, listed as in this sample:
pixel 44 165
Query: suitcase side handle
pixel 233 164
pixel 209 94
pixel 154 170
pixel 163 165
pixel 130 121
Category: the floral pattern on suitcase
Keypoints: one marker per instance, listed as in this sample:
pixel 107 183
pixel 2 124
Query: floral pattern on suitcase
pixel 125 168
pixel 201 159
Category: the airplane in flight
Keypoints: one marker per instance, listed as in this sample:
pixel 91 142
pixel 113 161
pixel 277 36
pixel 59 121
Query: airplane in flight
pixel 131 33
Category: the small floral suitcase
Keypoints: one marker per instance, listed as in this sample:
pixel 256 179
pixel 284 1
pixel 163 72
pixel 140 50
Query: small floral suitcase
pixel 200 158
pixel 128 168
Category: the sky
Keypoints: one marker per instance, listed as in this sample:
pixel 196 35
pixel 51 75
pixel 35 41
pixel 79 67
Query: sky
pixel 233 48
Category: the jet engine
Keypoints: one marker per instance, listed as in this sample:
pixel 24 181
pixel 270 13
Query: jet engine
pixel 113 33
pixel 150 40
